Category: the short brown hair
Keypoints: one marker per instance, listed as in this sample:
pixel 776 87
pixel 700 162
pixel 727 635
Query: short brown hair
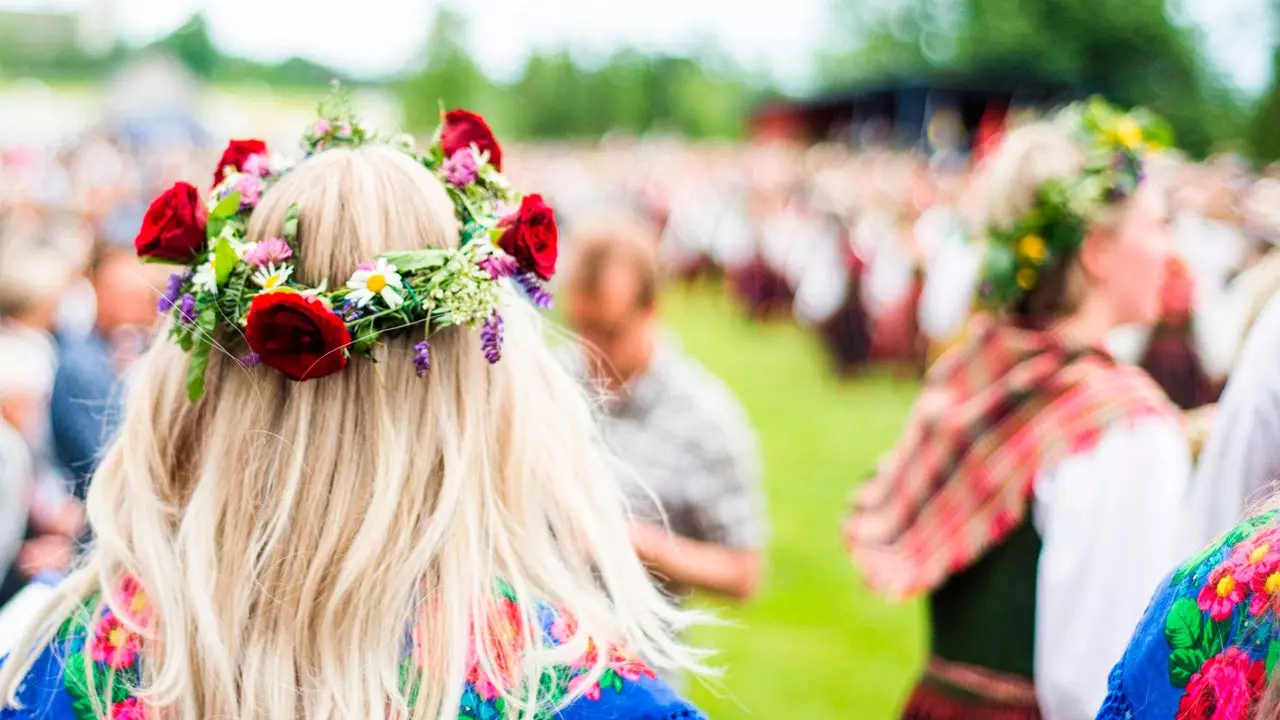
pixel 599 242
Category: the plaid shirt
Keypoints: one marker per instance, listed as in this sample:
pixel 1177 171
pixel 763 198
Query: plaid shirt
pixel 689 441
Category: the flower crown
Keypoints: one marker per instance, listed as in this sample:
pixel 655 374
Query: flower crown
pixel 1115 144
pixel 309 332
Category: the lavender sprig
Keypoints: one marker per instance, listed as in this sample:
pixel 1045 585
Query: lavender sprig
pixel 171 292
pixel 188 308
pixel 250 361
pixel 536 291
pixel 422 360
pixel 491 337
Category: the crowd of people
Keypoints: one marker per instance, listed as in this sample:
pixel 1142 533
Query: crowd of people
pixel 1074 321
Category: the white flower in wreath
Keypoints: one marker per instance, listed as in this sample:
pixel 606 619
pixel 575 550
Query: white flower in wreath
pixel 378 279
pixel 271 277
pixel 205 278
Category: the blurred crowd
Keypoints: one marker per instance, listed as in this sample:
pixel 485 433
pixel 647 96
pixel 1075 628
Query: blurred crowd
pixel 873 249
pixel 870 249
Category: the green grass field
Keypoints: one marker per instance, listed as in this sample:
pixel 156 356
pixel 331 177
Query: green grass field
pixel 815 643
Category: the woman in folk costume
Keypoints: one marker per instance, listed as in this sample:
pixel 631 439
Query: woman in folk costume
pixel 381 496
pixel 1030 495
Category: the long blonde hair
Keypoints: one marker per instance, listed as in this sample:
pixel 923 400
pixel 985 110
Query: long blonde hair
pixel 288 535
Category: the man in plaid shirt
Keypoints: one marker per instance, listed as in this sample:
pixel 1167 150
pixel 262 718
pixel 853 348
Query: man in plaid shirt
pixel 678 426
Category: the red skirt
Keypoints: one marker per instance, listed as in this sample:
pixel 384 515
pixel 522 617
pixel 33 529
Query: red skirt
pixel 955 691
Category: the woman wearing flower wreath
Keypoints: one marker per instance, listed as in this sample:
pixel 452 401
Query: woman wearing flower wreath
pixel 1031 494
pixel 354 482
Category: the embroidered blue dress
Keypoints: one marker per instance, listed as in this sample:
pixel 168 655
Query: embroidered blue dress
pixel 56 686
pixel 1210 638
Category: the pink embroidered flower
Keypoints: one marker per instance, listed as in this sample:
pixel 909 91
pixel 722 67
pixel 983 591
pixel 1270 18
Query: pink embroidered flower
pixel 257 165
pixel 562 628
pixel 272 251
pixel 113 644
pixel 1260 556
pixel 629 666
pixel 590 691
pixel 1222 593
pixel 461 168
pixel 135 601
pixel 250 187
pixel 129 709
pixel 1226 688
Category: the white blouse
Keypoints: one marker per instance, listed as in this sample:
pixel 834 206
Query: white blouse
pixel 1108 519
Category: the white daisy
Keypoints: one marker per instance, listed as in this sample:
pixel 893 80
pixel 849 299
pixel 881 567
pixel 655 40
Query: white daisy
pixel 271 277
pixel 206 278
pixel 378 279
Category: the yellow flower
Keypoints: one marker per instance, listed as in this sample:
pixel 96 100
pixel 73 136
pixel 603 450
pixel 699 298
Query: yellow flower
pixel 1129 133
pixel 1026 278
pixel 1032 248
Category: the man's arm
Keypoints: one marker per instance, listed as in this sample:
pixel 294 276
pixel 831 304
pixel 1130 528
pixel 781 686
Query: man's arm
pixel 704 565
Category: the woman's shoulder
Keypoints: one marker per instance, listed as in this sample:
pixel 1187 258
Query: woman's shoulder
pixel 1210 637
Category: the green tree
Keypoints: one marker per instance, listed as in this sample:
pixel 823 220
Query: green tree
pixel 192 45
pixel 448 75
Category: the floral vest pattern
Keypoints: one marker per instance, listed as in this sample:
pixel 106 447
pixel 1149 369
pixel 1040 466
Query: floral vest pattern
pixel 97 645
pixel 1210 639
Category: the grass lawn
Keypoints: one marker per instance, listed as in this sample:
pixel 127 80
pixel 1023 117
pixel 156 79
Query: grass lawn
pixel 815 643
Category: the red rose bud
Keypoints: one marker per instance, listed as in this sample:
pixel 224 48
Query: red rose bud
pixel 463 128
pixel 297 334
pixel 237 152
pixel 531 237
pixel 173 228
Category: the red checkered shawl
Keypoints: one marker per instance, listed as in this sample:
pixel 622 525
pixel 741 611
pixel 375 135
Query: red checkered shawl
pixel 993 413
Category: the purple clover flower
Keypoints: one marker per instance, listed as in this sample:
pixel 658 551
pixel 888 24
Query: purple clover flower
pixel 188 308
pixel 536 291
pixel 350 311
pixel 170 296
pixel 250 361
pixel 422 360
pixel 491 337
pixel 461 168
pixel 500 266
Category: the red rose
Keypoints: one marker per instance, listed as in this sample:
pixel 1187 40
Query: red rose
pixel 531 237
pixel 235 155
pixel 297 334
pixel 463 128
pixel 173 228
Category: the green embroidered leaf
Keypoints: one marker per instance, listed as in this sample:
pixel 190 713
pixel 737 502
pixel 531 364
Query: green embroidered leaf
pixel 226 207
pixel 1273 655
pixel 224 260
pixel 1183 626
pixel 1215 637
pixel 290 232
pixel 611 679
pixel 1183 664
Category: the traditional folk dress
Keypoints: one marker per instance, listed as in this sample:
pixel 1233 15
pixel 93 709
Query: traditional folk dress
pixel 1210 638
pixel 1032 498
pixel 96 643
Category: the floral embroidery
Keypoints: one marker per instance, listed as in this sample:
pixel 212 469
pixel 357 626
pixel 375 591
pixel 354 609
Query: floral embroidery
pixel 1223 643
pixel 102 666
pixel 1226 687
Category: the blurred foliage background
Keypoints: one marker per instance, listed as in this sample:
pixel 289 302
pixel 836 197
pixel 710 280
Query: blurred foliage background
pixel 1133 51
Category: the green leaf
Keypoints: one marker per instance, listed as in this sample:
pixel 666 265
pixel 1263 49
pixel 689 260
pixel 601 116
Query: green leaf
pixel 224 260
pixel 1183 664
pixel 227 206
pixel 1273 655
pixel 1184 625
pixel 417 259
pixel 206 322
pixel 1215 637
pixel 290 232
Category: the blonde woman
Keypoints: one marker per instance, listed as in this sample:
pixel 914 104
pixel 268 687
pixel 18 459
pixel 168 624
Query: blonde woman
pixel 1032 493
pixel 354 482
